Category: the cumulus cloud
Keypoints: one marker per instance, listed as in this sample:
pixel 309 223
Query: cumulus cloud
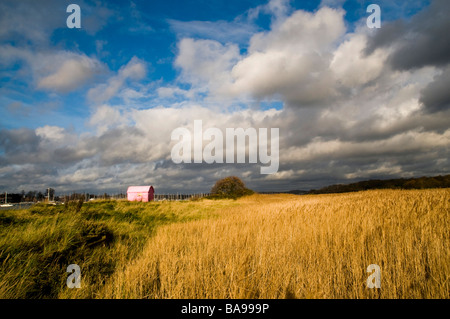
pixel 18 142
pixel 277 9
pixel 51 133
pixel 59 71
pixel 72 73
pixel 404 143
pixel 350 109
pixel 143 143
pixel 422 41
pixel 359 69
pixel 291 61
pixel 105 117
pixel 206 63
pixel 134 70
pixel 42 146
pixel 436 96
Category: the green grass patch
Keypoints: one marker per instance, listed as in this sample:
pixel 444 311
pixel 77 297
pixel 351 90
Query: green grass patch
pixel 37 244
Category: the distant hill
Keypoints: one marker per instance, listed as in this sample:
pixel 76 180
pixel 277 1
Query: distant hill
pixel 400 183
pixel 297 192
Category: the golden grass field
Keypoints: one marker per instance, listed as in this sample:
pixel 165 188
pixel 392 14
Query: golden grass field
pixel 286 246
pixel 300 247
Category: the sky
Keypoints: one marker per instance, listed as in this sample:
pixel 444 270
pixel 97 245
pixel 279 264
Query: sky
pixel 92 109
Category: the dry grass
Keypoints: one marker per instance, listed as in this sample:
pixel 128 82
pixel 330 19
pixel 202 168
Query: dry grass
pixel 282 246
pixel 261 246
pixel 37 244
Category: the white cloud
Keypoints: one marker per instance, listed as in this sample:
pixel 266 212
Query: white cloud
pixel 206 62
pixel 60 71
pixel 359 69
pixel 302 32
pixel 407 142
pixel 292 59
pixel 170 92
pixel 384 168
pixel 51 133
pixel 105 117
pixel 158 123
pixel 71 74
pixel 278 9
pixel 134 70
pixel 285 175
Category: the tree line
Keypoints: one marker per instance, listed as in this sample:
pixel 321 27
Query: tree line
pixel 399 183
pixel 49 194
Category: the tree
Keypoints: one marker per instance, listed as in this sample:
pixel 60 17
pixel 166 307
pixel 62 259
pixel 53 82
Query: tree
pixel 230 187
pixel 39 196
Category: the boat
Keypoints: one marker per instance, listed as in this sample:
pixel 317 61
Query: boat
pixel 6 202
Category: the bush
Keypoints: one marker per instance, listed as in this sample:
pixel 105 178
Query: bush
pixel 230 187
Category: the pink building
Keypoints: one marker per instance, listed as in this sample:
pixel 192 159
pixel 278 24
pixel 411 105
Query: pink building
pixel 140 193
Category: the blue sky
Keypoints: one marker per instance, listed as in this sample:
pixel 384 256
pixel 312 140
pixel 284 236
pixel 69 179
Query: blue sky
pixel 63 89
pixel 148 30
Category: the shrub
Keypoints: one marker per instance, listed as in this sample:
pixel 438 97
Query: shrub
pixel 230 187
